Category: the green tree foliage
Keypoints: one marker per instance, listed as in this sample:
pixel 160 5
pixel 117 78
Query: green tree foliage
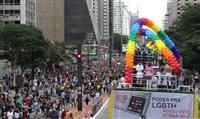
pixel 23 45
pixel 117 41
pixel 185 32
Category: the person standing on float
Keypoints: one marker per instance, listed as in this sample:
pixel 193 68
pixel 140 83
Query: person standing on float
pixel 139 68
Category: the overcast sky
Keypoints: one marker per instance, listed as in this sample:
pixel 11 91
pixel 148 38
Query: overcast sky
pixel 152 9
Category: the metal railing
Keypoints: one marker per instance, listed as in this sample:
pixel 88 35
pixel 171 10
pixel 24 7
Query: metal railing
pixel 152 82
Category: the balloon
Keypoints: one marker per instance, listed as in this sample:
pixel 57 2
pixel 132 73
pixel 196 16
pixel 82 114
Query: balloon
pixel 166 47
pixel 155 28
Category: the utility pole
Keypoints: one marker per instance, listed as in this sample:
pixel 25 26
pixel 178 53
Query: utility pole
pixel 79 71
pixel 110 33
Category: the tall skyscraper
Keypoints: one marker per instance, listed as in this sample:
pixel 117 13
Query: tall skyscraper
pixel 18 11
pixel 174 10
pixel 50 18
pixel 80 23
pixel 104 16
pixel 121 18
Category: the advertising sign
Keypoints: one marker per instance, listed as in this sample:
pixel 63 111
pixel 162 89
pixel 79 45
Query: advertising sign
pixel 152 105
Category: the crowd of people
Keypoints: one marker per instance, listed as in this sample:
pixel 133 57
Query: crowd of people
pixel 50 95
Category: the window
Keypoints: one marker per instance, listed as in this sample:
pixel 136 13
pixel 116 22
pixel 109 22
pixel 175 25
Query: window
pixel 1 12
pixel 17 11
pixel 178 12
pixel 178 8
pixel 186 0
pixel 17 2
pixel 6 2
pixel 11 2
pixel 10 12
pixel 1 2
pixel 17 22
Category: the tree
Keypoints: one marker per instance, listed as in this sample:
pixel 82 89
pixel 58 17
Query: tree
pixel 117 41
pixel 23 45
pixel 186 34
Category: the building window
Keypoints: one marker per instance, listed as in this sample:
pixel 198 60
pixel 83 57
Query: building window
pixel 186 4
pixel 178 8
pixel 178 0
pixel 17 11
pixel 1 12
pixel 10 12
pixel 186 0
pixel 17 22
pixel 1 2
pixel 178 12
pixel 11 2
pixel 17 2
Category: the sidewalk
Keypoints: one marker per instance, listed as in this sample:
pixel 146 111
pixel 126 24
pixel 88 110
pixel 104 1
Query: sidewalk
pixel 87 109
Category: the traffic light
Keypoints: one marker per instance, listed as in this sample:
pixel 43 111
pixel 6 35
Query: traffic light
pixel 79 56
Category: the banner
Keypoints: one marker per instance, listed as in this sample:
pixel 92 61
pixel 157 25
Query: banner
pixel 152 105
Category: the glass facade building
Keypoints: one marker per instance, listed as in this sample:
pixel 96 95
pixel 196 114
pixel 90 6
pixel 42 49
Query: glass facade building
pixel 77 21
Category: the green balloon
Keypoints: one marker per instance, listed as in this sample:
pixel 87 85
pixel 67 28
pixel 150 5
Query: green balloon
pixel 154 38
pixel 133 36
pixel 162 34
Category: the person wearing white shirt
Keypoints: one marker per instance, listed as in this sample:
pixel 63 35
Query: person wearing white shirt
pixel 10 114
pixel 16 114
pixel 122 80
pixel 139 68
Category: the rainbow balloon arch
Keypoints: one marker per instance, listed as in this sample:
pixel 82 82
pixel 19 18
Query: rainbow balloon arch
pixel 159 39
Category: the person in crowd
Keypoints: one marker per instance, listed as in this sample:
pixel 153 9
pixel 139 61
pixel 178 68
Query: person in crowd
pixel 148 73
pixel 87 99
pixel 168 73
pixel 10 114
pixel 181 79
pixel 139 68
pixel 160 75
pixel 122 81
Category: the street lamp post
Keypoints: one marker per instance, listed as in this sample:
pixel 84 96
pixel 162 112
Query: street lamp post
pixel 110 33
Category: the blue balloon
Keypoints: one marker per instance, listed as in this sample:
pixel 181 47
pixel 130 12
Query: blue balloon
pixel 140 22
pixel 143 32
pixel 148 33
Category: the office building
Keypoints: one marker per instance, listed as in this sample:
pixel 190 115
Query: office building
pixel 71 21
pixel 104 19
pixel 79 21
pixel 121 18
pixel 18 11
pixel 174 10
pixel 50 18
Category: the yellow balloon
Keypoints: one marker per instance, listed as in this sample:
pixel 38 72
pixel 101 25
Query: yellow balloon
pixel 155 28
